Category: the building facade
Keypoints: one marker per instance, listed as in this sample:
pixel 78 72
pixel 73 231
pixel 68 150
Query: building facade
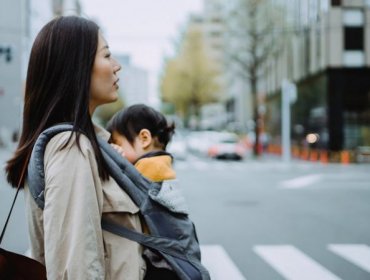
pixel 327 55
pixel 134 82
pixel 19 24
pixel 12 43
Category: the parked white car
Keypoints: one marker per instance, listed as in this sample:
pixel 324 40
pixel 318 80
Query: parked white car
pixel 227 146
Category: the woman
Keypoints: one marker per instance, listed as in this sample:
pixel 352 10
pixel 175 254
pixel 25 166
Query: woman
pixel 70 73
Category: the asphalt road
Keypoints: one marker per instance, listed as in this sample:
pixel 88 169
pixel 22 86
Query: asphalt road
pixel 264 220
pixel 282 221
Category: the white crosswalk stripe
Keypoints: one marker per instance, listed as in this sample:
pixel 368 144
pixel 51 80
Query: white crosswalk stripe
pixel 292 264
pixel 301 182
pixel 219 264
pixel 358 254
pixel 288 261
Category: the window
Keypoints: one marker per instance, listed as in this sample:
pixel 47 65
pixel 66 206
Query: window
pixel 336 2
pixel 353 38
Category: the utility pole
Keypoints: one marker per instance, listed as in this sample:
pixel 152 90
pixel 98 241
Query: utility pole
pixel 288 97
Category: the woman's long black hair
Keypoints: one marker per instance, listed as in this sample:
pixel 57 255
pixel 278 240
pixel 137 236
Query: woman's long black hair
pixel 58 87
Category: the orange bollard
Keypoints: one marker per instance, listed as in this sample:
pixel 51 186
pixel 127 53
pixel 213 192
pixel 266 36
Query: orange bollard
pixel 344 157
pixel 324 157
pixel 313 155
pixel 295 152
pixel 304 154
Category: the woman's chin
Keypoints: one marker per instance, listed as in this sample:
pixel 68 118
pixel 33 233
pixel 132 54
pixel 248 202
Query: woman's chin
pixel 113 98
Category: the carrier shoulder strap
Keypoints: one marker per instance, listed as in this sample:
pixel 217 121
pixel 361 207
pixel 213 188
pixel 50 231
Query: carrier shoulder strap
pixel 125 174
pixel 36 175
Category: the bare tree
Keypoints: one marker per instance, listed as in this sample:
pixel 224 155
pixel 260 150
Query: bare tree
pixel 255 30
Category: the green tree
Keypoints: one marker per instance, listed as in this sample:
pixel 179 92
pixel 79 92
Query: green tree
pixel 189 80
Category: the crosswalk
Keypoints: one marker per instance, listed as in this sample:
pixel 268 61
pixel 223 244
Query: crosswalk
pixel 358 254
pixel 219 263
pixel 288 261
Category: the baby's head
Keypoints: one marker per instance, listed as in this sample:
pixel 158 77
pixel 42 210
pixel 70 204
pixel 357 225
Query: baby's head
pixel 140 129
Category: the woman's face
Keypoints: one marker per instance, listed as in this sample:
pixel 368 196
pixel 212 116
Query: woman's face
pixel 104 80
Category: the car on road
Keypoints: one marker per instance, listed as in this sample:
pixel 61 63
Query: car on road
pixel 227 146
pixel 199 141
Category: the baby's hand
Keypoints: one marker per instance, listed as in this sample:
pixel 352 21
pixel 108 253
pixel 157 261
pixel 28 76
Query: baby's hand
pixel 118 149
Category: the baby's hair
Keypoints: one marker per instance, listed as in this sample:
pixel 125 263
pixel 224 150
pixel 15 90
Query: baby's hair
pixel 130 121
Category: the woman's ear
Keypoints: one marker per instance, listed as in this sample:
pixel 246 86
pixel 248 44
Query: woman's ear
pixel 145 138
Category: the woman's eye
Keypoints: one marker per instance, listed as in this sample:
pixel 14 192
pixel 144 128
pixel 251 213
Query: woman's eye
pixel 107 55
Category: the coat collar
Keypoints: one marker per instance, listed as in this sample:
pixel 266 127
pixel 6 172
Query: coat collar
pixel 101 132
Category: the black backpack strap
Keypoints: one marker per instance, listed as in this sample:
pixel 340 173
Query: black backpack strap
pixel 161 244
pixel 169 248
pixel 14 199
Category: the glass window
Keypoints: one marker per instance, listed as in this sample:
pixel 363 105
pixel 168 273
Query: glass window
pixel 336 2
pixel 353 38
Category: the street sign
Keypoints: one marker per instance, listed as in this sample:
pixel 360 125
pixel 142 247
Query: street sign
pixel 6 53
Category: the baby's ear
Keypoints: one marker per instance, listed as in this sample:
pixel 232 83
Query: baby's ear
pixel 145 138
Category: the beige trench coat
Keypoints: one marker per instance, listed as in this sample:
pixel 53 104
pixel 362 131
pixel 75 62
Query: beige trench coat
pixel 67 236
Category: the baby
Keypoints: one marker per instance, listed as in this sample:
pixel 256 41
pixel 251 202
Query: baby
pixel 141 134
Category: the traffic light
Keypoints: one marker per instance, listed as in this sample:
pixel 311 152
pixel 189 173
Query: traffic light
pixel 6 52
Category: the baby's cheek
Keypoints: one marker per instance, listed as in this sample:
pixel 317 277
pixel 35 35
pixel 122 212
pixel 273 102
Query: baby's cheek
pixel 131 156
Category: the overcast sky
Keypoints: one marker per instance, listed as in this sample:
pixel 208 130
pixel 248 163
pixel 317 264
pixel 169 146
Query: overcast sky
pixel 144 29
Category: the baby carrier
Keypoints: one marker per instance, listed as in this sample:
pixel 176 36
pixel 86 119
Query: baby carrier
pixel 172 233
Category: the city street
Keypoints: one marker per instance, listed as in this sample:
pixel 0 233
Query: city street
pixel 299 221
pixel 265 220
pixel 225 79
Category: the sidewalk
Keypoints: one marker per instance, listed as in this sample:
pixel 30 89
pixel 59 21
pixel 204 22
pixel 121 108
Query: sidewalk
pixel 275 157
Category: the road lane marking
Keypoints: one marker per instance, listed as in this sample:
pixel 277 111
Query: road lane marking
pixel 292 264
pixel 300 182
pixel 219 263
pixel 358 254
